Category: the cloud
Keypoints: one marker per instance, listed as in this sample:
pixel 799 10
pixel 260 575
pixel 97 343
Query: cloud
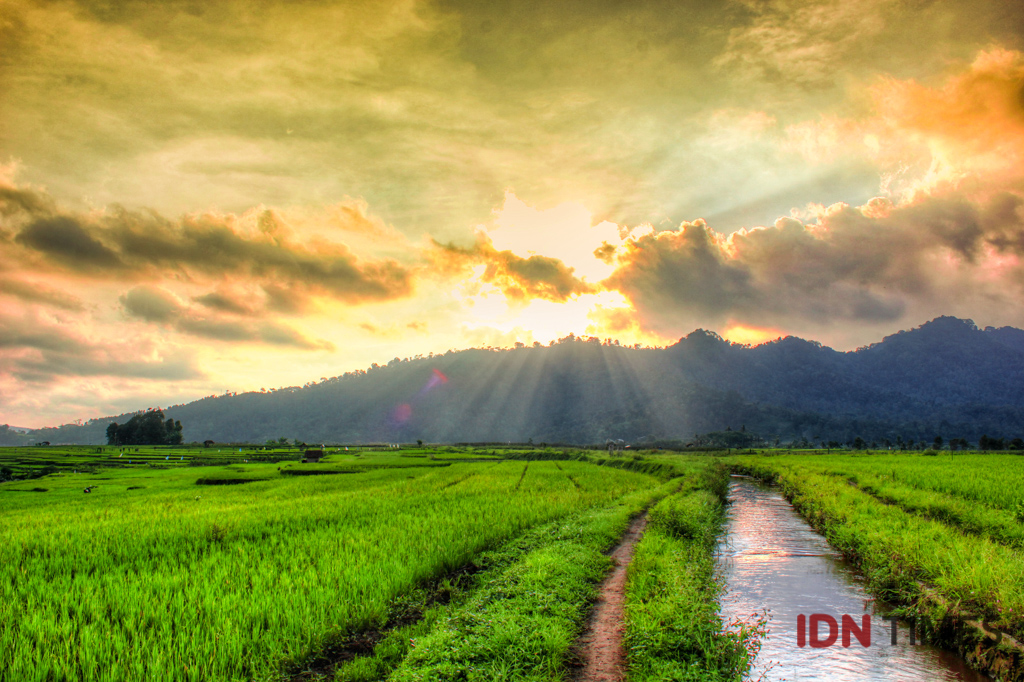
pixel 36 292
pixel 64 239
pixel 152 304
pixel 870 264
pixel 157 305
pixel 802 43
pixel 516 277
pixel 687 269
pixel 566 232
pixel 965 134
pixel 16 200
pixel 948 238
pixel 270 333
pixel 224 302
pixel 37 350
pixel 261 300
pixel 527 253
pixel 258 245
pixel 287 300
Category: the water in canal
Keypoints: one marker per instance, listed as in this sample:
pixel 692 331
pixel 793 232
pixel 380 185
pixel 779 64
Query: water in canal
pixel 771 558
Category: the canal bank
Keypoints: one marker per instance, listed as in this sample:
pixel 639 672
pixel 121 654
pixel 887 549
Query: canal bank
pixel 772 559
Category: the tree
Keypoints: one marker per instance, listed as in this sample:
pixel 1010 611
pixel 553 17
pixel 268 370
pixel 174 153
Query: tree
pixel 173 432
pixel 148 428
pixel 938 442
pixel 112 434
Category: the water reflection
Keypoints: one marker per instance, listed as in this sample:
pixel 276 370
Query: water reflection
pixel 773 559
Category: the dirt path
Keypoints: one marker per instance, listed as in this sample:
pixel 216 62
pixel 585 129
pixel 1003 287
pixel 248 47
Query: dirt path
pixel 599 651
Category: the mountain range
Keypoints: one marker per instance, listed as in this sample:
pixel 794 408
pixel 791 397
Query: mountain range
pixel 945 378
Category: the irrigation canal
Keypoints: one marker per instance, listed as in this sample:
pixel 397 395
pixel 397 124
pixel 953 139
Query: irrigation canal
pixel 771 558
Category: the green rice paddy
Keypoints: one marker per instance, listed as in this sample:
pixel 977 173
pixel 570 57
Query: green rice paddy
pixel 228 563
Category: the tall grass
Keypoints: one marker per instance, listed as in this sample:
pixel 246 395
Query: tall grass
pixel 527 611
pixel 673 630
pixel 174 581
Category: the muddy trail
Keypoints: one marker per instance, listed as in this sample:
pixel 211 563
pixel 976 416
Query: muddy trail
pixel 599 656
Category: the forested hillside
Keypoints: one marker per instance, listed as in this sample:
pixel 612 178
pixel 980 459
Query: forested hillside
pixel 945 378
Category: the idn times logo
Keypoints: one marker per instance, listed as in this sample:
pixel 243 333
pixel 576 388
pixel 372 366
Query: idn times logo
pixel 822 630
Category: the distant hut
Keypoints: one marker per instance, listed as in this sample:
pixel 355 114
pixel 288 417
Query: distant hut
pixel 312 456
pixel 615 445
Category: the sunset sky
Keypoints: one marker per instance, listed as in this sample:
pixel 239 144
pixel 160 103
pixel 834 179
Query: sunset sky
pixel 208 196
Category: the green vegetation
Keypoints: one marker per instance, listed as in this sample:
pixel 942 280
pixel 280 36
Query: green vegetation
pixel 152 576
pixel 241 562
pixel 519 618
pixel 145 429
pixel 524 618
pixel 924 530
pixel 447 563
pixel 673 631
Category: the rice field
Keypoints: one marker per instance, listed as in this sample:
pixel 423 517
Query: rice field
pixel 26 462
pixel 155 575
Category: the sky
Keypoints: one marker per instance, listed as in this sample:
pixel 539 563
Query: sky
pixel 200 197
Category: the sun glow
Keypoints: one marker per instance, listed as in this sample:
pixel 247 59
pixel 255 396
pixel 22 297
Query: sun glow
pixel 565 232
pixel 752 336
pixel 605 315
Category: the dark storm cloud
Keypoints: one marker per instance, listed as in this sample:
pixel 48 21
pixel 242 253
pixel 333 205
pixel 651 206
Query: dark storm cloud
pixel 18 334
pixel 285 300
pixel 214 244
pixel 276 334
pixel 151 304
pixel 46 369
pixel 533 277
pixel 685 268
pixel 15 200
pixel 223 302
pixel 270 333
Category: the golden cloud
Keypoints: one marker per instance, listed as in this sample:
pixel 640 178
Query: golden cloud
pixel 132 245
pixel 160 306
pixel 965 135
pixel 518 278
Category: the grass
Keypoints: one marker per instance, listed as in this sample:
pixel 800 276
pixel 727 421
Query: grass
pixel 522 620
pixel 237 564
pixel 673 631
pixel 152 576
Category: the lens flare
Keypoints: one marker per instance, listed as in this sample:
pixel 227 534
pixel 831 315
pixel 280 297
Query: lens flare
pixel 402 413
